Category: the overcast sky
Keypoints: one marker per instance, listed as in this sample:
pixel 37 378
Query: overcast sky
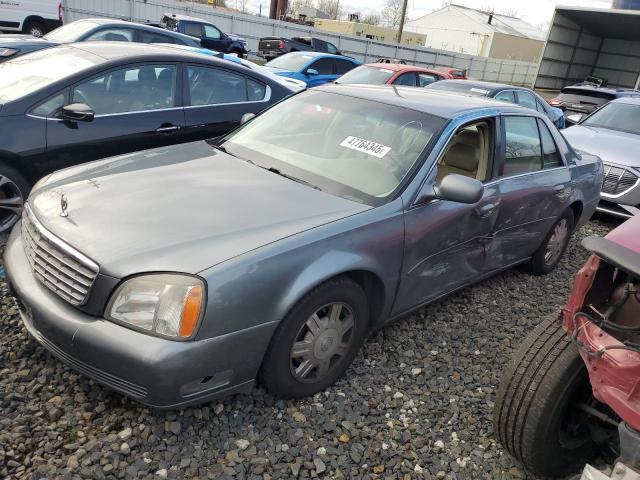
pixel 535 12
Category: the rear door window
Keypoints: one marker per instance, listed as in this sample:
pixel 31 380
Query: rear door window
pixel 523 149
pixel 407 79
pixel 111 35
pixel 506 96
pixel 343 66
pixel 193 29
pixel 527 99
pixel 425 79
pixel 213 86
pixel 324 66
pixel 551 158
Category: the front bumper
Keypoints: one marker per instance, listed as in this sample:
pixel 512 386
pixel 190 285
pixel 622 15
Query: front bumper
pixel 157 372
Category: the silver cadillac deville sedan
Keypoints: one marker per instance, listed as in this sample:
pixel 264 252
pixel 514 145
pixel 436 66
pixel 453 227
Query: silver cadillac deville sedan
pixel 613 133
pixel 184 273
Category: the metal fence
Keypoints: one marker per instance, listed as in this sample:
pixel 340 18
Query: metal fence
pixel 252 28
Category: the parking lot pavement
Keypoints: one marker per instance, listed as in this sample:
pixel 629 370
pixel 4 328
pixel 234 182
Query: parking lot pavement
pixel 417 403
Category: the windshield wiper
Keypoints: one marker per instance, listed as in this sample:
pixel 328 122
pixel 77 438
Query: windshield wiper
pixel 290 177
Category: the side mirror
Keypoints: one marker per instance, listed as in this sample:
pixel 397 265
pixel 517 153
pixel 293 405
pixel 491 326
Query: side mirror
pixel 458 188
pixel 246 117
pixel 77 112
pixel 311 72
pixel 575 118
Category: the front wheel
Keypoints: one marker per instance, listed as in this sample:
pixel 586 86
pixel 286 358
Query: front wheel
pixel 537 416
pixel 34 28
pixel 317 340
pixel 14 190
pixel 548 255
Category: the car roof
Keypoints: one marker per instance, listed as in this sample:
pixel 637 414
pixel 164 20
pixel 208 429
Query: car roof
pixel 490 86
pixel 186 17
pixel 442 104
pixel 322 54
pixel 114 51
pixel 594 88
pixel 141 26
pixel 399 67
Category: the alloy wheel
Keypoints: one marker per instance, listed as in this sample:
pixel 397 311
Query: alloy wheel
pixel 556 242
pixel 322 342
pixel 11 203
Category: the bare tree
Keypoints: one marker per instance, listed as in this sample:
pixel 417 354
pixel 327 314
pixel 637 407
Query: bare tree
pixel 392 13
pixel 297 5
pixel 371 19
pixel 330 7
pixel 242 5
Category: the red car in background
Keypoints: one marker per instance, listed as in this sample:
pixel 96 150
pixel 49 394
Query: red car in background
pixel 392 74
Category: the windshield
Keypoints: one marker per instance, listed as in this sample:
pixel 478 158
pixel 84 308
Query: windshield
pixel 290 62
pixel 26 74
pixel 460 86
pixel 366 75
pixel 616 116
pixel 71 32
pixel 325 140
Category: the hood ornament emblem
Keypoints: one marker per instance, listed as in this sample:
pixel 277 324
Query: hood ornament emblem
pixel 63 206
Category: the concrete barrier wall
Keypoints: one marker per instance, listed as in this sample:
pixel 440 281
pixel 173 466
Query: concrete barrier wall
pixel 252 28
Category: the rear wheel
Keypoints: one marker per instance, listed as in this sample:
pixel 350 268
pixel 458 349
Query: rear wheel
pixel 14 190
pixel 35 28
pixel 537 415
pixel 548 255
pixel 317 340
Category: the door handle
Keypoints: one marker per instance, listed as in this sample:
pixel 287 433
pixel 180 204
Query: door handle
pixel 486 210
pixel 168 129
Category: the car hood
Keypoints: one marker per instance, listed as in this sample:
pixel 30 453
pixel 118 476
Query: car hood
pixel 182 208
pixel 236 38
pixel 610 145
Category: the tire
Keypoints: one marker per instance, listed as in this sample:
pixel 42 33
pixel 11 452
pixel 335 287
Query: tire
pixel 14 190
pixel 35 28
pixel 533 417
pixel 539 263
pixel 283 374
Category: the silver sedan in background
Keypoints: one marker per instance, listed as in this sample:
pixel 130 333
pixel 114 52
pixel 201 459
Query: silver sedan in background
pixel 613 133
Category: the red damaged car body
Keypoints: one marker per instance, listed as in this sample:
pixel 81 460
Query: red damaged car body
pixel 606 293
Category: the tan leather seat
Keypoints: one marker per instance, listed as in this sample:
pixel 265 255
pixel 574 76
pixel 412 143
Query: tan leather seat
pixel 462 156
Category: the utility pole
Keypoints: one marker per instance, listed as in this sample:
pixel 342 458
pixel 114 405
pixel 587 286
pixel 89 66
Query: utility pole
pixel 404 14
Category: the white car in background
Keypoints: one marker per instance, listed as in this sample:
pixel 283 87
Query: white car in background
pixel 33 17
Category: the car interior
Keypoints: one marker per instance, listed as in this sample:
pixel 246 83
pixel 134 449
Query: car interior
pixel 210 86
pixel 468 153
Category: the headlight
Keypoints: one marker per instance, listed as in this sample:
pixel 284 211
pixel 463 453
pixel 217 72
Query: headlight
pixel 7 52
pixel 168 304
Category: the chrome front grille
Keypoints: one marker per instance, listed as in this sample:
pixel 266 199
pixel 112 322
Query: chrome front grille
pixel 617 180
pixel 60 268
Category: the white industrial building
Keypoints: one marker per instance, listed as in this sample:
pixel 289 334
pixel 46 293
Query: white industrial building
pixel 461 29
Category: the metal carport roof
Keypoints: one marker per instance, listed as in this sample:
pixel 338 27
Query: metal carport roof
pixel 591 42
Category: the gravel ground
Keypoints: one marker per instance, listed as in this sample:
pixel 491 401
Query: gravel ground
pixel 416 403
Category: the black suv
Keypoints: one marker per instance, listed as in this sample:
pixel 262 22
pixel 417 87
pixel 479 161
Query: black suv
pixel 210 36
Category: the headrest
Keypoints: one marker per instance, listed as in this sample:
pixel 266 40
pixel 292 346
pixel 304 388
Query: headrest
pixel 462 156
pixel 147 75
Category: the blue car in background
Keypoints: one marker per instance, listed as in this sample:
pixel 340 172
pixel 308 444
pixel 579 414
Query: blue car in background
pixel 313 68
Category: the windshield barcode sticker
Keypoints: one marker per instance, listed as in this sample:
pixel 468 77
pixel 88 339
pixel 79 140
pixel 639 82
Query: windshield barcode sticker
pixel 366 146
